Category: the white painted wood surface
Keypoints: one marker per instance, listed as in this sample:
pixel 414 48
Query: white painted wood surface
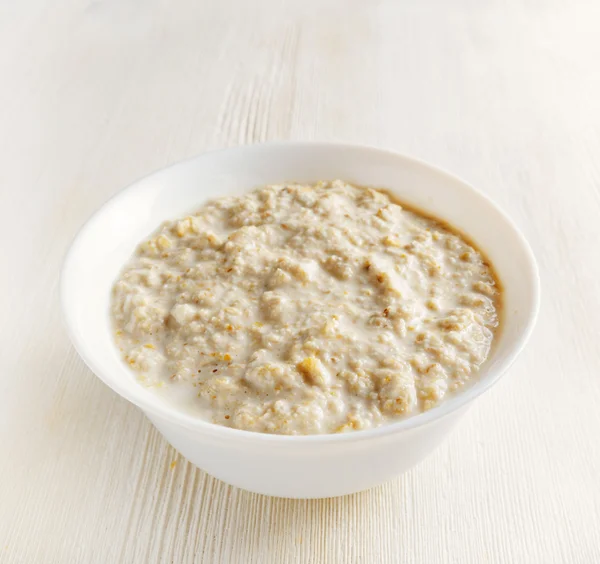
pixel 95 94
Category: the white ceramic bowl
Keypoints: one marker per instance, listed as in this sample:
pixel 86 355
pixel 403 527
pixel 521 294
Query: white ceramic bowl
pixel 304 466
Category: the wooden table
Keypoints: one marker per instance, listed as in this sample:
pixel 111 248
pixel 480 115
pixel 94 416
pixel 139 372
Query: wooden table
pixel 95 94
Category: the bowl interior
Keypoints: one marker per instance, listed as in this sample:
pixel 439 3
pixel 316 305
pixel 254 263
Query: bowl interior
pixel 105 243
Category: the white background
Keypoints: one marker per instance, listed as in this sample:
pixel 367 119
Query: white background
pixel 94 94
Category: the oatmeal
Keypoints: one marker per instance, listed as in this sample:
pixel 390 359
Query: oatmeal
pixel 305 309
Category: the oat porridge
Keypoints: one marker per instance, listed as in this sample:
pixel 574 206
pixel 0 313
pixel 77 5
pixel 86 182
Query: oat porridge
pixel 302 309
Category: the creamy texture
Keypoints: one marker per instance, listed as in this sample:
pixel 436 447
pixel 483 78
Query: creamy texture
pixel 305 309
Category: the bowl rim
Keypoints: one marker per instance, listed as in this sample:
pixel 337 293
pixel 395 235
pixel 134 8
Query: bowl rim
pixel 171 414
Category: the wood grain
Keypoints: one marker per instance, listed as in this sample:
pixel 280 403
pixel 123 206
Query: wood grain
pixel 98 93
